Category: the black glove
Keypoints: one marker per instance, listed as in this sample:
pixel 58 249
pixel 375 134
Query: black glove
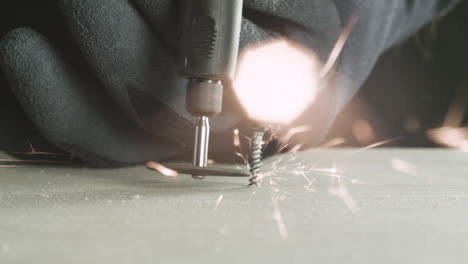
pixel 125 101
pixel 122 101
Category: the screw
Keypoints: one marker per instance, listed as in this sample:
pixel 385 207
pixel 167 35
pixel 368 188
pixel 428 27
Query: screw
pixel 255 161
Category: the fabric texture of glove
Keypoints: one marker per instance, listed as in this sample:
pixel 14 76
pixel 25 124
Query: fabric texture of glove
pixel 122 101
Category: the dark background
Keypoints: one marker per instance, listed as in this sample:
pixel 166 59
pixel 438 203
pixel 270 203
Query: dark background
pixel 16 130
pixel 409 91
pixel 416 81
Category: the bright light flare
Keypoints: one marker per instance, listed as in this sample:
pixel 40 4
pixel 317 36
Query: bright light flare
pixel 276 81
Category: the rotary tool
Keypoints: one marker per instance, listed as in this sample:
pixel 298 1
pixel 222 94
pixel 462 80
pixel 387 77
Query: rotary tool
pixel 208 59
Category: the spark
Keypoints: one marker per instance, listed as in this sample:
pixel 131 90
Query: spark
pixel 333 143
pixel 310 187
pixel 270 70
pixel 339 45
pixel 244 159
pixel 282 148
pixel 278 217
pixel 377 144
pixel 218 202
pixel 340 190
pixel 331 171
pixel 162 169
pixel 310 183
pixel 406 168
pixel 31 146
pixel 296 130
pixel 295 149
pixel 236 138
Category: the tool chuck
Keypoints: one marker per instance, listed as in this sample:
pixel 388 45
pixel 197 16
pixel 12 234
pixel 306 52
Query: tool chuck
pixel 208 59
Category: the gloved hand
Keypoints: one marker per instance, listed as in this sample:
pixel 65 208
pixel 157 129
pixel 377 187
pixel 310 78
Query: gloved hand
pixel 122 100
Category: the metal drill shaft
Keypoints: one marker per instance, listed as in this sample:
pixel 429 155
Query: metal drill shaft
pixel 202 137
pixel 209 37
pixel 255 162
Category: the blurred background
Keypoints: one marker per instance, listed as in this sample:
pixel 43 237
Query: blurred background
pixel 412 87
pixel 410 90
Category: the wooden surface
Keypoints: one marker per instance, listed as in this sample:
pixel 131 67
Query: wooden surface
pixel 380 206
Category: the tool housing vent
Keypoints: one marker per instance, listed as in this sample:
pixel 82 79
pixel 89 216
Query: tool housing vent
pixel 203 38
